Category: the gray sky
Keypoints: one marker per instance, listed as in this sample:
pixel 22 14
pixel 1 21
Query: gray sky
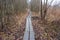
pixel 54 2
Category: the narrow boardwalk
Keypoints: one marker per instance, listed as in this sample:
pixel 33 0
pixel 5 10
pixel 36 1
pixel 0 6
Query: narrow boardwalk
pixel 29 33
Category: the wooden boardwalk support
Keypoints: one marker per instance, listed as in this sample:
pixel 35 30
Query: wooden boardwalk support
pixel 29 33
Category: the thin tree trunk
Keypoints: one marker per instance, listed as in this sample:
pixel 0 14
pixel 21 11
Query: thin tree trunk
pixel 41 9
pixel 45 10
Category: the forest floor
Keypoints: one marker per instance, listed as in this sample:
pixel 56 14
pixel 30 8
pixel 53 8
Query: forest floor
pixel 43 31
pixel 47 31
pixel 16 32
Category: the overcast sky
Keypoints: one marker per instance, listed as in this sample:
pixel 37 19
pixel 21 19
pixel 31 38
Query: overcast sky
pixel 54 2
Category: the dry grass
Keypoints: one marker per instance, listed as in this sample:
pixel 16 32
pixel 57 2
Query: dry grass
pixel 50 30
pixel 15 29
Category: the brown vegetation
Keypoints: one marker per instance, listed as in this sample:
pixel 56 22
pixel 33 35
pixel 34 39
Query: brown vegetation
pixel 49 30
pixel 14 31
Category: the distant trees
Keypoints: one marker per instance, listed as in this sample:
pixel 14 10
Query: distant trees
pixel 41 6
pixel 35 5
pixel 10 8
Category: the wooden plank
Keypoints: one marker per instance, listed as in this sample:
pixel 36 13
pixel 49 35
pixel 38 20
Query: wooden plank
pixel 29 33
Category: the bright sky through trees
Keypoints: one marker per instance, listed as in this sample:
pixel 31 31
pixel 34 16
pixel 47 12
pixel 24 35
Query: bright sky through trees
pixel 54 1
pixel 28 1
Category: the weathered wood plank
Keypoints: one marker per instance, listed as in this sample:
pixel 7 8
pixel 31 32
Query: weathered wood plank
pixel 29 33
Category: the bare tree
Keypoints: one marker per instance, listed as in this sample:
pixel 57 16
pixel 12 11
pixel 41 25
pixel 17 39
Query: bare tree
pixel 41 9
pixel 45 8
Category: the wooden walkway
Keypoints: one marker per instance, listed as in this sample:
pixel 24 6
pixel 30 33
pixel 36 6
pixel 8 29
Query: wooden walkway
pixel 29 33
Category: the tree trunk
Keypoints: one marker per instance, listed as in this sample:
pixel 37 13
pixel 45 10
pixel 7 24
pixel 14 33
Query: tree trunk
pixel 41 9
